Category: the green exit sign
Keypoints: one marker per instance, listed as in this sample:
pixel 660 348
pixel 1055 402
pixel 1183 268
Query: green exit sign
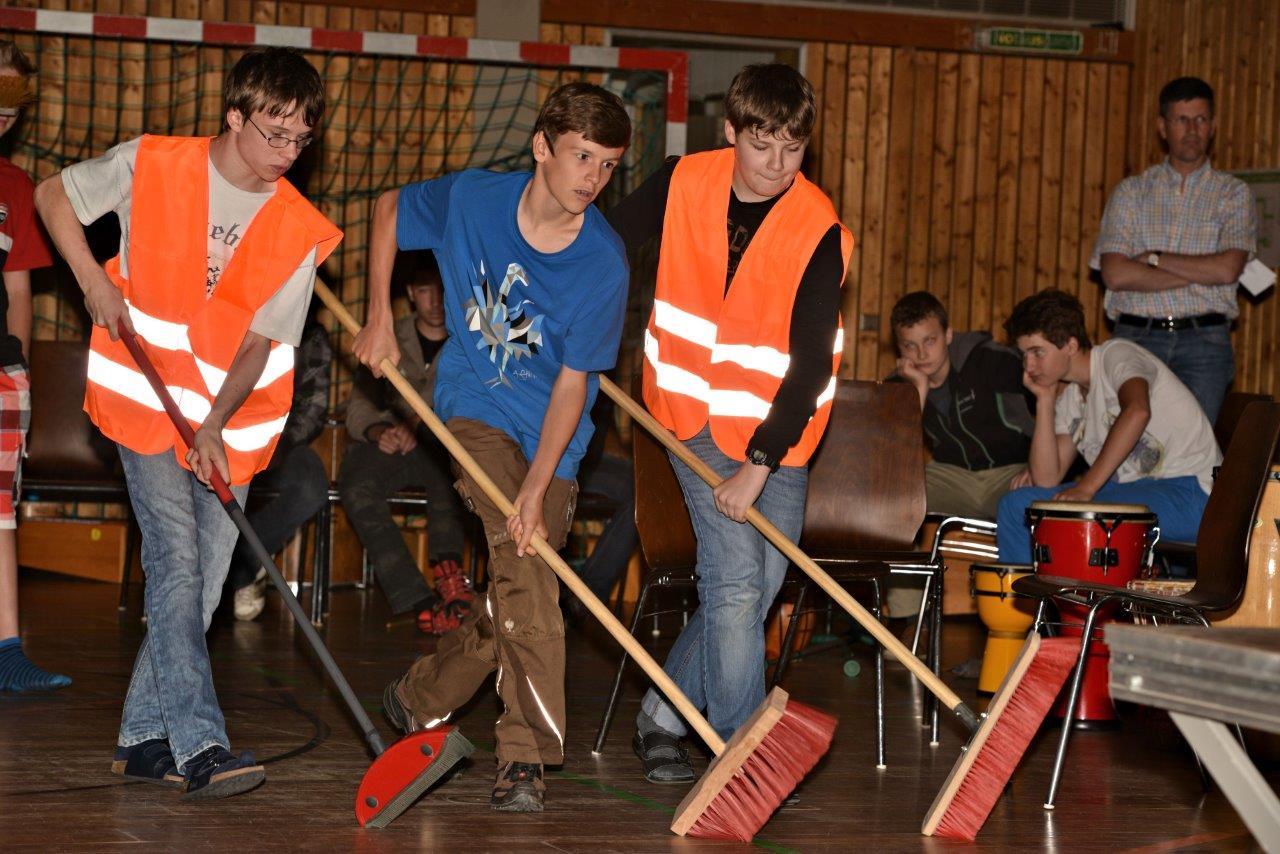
pixel 1025 40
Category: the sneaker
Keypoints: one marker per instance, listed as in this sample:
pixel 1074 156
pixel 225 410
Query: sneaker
pixel 453 588
pixel 441 618
pixel 252 598
pixel 150 761
pixel 219 773
pixel 397 710
pixel 519 788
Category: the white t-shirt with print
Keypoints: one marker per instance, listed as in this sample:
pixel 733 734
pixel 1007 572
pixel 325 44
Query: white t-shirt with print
pixel 105 184
pixel 1178 440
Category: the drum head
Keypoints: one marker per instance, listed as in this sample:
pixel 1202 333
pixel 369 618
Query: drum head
pixel 1088 510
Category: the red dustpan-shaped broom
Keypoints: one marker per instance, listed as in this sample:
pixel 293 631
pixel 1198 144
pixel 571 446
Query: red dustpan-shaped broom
pixel 399 774
pixel 763 761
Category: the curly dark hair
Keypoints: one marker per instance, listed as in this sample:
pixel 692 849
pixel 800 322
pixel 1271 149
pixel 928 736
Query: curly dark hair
pixel 915 307
pixel 1055 314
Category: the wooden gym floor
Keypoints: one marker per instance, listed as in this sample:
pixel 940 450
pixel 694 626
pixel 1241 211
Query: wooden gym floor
pixel 1134 789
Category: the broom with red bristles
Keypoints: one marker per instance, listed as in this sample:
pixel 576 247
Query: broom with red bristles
pixel 764 760
pixel 1014 714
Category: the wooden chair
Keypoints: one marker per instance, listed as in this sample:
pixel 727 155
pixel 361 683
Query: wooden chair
pixel 866 503
pixel 1222 555
pixel 67 458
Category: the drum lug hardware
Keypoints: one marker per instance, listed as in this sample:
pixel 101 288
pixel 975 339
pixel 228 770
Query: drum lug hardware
pixel 1104 558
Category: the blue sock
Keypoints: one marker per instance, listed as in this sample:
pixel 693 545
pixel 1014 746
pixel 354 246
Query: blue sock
pixel 17 673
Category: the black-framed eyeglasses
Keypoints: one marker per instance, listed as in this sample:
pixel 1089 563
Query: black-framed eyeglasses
pixel 279 140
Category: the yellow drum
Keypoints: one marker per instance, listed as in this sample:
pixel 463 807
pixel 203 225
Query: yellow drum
pixel 1007 616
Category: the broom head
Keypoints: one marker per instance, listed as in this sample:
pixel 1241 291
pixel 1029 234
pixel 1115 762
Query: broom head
pixel 1015 714
pixel 759 767
pixel 405 770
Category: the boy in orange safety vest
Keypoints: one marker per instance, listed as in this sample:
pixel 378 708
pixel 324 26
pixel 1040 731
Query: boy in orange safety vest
pixel 741 353
pixel 215 270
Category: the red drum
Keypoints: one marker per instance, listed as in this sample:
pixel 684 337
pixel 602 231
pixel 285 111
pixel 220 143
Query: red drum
pixel 1100 543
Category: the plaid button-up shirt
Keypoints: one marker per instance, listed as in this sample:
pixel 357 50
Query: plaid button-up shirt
pixel 1158 211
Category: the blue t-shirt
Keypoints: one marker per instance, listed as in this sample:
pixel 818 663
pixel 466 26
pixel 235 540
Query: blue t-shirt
pixel 515 315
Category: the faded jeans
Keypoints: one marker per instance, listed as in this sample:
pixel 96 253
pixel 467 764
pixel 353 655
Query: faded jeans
pixel 187 542
pixel 718 659
pixel 1201 357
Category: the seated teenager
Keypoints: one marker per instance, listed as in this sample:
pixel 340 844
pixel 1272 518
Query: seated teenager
pixel 1145 438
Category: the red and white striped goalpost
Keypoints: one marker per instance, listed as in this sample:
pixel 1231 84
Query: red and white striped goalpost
pixel 673 64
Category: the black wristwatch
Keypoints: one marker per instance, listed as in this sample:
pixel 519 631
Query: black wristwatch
pixel 760 458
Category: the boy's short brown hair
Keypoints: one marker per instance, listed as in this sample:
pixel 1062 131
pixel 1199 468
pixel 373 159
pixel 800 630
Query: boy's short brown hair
pixel 773 99
pixel 16 91
pixel 588 109
pixel 1055 314
pixel 916 307
pixel 277 81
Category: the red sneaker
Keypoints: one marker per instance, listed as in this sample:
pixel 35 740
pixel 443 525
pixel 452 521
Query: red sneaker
pixel 455 597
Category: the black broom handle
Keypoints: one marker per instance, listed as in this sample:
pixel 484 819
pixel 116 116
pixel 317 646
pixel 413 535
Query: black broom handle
pixel 236 513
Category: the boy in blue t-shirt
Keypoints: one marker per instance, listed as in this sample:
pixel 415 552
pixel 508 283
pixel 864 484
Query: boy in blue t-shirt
pixel 535 288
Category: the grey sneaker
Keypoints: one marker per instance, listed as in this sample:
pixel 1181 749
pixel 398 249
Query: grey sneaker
pixel 252 598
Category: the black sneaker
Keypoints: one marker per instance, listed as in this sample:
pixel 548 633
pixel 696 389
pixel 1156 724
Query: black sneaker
pixel 519 788
pixel 219 773
pixel 150 761
pixel 665 758
pixel 398 713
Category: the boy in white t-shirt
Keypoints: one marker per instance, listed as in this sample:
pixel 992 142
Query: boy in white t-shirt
pixel 1144 436
pixel 216 265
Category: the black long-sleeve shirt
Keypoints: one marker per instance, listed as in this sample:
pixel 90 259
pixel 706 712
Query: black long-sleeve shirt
pixel 814 314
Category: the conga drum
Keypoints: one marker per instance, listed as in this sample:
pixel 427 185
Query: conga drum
pixel 1100 543
pixel 1007 616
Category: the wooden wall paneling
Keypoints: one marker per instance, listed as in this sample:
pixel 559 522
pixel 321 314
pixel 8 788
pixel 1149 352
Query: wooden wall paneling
pixel 1268 23
pixel 461 116
pixel 1118 109
pixel 963 211
pixel 990 133
pixel 924 88
pixel 410 105
pixel 897 194
pixel 185 68
pixel 815 64
pixel 942 189
pixel 1052 151
pixel 853 187
pixel 436 113
pixel 873 220
pixel 835 86
pixel 1093 185
pixel 1069 273
pixel 1003 285
pixel 1028 180
pixel 78 141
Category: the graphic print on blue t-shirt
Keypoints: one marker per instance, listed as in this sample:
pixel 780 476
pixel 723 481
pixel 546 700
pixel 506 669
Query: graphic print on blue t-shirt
pixel 517 317
pixel 504 320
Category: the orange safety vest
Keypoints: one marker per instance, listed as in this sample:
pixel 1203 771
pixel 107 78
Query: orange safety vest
pixel 191 339
pixel 720 357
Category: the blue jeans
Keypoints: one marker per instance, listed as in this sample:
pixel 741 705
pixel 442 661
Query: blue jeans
pixel 1201 357
pixel 298 477
pixel 1178 503
pixel 187 542
pixel 718 660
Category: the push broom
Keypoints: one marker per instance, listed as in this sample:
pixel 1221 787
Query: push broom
pixel 1021 704
pixel 763 761
pixel 400 773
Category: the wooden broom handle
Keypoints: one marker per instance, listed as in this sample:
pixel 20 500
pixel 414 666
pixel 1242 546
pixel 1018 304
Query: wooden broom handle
pixel 788 548
pixel 544 550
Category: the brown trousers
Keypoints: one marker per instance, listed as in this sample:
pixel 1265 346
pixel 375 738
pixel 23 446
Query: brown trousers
pixel 517 630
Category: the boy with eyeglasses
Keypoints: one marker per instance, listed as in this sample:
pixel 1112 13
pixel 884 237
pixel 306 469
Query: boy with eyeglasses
pixel 215 271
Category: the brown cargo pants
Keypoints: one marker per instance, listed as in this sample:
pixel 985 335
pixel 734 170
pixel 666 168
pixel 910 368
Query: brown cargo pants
pixel 517 629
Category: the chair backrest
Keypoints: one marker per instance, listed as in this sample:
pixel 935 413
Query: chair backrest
pixel 1233 406
pixel 662 520
pixel 866 482
pixel 63 445
pixel 1222 547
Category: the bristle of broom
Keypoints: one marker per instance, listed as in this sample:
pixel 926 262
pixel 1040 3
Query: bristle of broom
pixel 768 774
pixel 981 773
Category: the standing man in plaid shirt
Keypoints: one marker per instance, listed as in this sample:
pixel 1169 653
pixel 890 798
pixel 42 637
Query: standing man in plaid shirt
pixel 1172 245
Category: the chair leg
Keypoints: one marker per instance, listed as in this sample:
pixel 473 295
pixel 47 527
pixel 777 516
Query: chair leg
pixel 130 540
pixel 1073 697
pixel 877 610
pixel 784 654
pixel 612 705
pixel 935 653
pixel 924 609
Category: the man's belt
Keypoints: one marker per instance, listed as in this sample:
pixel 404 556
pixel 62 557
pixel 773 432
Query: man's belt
pixel 1173 323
